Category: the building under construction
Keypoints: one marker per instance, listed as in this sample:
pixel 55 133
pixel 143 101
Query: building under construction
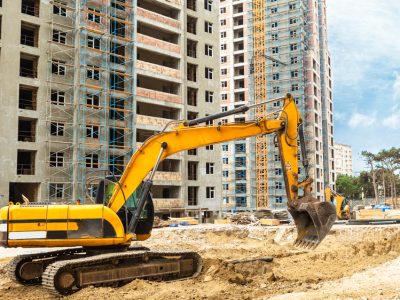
pixel 83 83
pixel 269 48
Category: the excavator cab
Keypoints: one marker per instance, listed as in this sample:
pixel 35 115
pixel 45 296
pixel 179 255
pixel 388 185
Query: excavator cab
pixel 105 190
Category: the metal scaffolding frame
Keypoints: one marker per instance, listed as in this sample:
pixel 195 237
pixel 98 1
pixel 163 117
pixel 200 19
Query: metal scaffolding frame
pixel 279 34
pixel 260 94
pixel 100 78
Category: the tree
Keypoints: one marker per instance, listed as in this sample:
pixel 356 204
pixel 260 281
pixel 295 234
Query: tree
pixel 390 160
pixel 364 181
pixel 348 186
pixel 370 159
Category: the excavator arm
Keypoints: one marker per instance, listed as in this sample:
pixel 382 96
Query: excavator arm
pixel 185 137
pixel 313 218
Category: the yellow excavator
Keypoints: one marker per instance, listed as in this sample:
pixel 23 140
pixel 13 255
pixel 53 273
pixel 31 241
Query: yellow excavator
pixel 339 201
pixel 97 237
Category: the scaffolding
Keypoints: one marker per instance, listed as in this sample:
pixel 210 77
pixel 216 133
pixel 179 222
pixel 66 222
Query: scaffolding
pixel 60 100
pixel 95 104
pixel 260 94
pixel 279 32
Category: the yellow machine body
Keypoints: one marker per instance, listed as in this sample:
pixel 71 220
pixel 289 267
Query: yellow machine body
pixel 342 209
pixel 61 226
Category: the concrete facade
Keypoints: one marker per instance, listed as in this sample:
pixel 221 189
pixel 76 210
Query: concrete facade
pixel 343 159
pixel 84 83
pixel 295 35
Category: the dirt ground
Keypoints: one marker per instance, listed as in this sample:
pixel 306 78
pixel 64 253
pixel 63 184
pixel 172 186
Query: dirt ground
pixel 353 262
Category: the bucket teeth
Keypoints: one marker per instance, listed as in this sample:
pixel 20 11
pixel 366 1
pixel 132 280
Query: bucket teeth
pixel 307 243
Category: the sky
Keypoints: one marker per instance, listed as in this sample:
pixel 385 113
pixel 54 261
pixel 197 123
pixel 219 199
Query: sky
pixel 364 40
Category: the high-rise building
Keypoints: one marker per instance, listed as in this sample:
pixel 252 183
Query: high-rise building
pixel 343 159
pixel 234 35
pixel 270 48
pixel 85 82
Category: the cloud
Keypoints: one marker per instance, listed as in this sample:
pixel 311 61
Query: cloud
pixel 366 73
pixel 361 120
pixel 361 35
pixel 396 85
pixel 339 115
pixel 392 121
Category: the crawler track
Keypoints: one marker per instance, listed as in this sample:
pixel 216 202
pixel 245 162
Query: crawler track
pixel 14 266
pixel 66 271
pixel 66 277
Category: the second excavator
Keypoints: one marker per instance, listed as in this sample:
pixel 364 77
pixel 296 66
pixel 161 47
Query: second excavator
pixel 96 238
pixel 340 202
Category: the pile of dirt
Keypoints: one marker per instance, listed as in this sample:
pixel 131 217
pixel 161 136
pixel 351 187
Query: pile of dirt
pixel 346 250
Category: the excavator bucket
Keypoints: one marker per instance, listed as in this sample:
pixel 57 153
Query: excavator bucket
pixel 313 220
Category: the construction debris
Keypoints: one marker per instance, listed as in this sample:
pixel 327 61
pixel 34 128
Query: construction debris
pixel 281 215
pixel 161 223
pixel 174 222
pixel 244 218
pixel 246 260
pixel 264 214
pixel 185 221
pixel 261 217
pixel 377 214
pixel 269 222
pixel 222 221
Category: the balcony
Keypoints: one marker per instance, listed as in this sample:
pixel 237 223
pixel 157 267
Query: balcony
pixel 152 121
pixel 170 176
pixel 30 7
pixel 191 4
pixel 237 21
pixel 171 203
pixel 27 97
pixel 144 65
pixel 28 66
pixel 191 25
pixel 26 130
pixel 26 162
pixel 152 16
pixel 169 2
pixel 157 95
pixel 191 48
pixel 29 35
pixel 238 9
pixel 159 44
